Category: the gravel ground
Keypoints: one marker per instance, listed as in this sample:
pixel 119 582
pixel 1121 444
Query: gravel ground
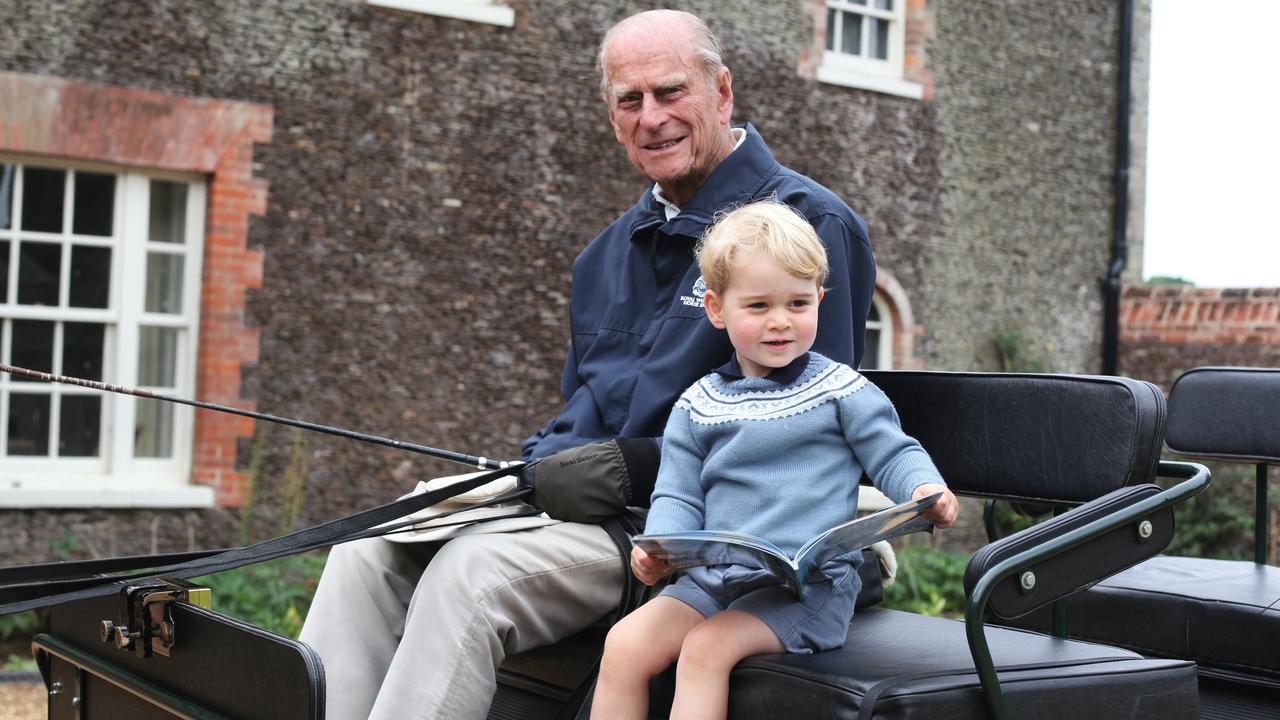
pixel 22 701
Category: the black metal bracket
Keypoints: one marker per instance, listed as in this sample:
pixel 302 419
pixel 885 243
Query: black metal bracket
pixel 144 621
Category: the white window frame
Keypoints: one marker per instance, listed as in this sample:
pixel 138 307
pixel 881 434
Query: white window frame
pixel 116 478
pixel 884 326
pixel 869 498
pixel 865 73
pixel 481 11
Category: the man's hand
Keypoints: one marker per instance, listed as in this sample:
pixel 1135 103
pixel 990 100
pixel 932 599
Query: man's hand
pixel 943 512
pixel 647 570
pixel 595 481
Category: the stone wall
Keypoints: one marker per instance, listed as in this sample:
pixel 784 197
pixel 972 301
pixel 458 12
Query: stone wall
pixel 432 179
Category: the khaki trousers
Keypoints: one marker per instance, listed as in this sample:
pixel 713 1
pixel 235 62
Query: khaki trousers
pixel 418 630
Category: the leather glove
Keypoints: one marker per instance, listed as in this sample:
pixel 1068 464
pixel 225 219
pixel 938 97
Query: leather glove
pixel 595 481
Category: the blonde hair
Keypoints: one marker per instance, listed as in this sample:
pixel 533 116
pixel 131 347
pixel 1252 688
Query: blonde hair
pixel 766 225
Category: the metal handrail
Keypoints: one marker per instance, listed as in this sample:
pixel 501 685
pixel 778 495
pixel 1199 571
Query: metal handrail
pixel 1196 479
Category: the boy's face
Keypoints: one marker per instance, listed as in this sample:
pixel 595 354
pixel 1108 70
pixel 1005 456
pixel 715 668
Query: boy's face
pixel 770 314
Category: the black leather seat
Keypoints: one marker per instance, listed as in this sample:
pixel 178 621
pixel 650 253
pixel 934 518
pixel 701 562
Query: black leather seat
pixel 1224 615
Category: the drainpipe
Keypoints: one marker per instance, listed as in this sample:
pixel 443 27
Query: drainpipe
pixel 1119 221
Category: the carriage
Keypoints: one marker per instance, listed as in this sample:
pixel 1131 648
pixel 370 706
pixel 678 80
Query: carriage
pixel 1077 616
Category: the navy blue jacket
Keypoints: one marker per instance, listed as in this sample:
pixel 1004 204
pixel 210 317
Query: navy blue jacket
pixel 640 334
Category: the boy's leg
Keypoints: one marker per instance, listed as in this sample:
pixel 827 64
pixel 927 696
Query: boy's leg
pixel 640 646
pixel 709 652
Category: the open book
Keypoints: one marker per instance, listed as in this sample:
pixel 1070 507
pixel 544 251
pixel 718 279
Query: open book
pixel 718 547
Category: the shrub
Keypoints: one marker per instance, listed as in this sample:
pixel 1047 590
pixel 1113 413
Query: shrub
pixel 273 595
pixel 930 581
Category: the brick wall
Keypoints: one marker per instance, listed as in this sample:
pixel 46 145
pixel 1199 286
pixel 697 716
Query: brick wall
pixel 1168 329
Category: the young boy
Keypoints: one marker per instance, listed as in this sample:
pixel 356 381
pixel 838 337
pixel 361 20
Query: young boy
pixel 771 444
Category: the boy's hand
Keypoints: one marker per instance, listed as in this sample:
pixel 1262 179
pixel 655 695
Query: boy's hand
pixel 647 570
pixel 943 512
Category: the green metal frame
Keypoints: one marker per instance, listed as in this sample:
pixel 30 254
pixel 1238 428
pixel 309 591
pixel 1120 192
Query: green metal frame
pixel 1261 515
pixel 1195 479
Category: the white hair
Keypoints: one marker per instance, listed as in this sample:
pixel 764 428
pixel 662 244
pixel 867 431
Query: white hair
pixel 707 46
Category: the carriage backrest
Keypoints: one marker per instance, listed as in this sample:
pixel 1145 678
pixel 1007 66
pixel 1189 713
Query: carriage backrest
pixel 1024 437
pixel 1226 413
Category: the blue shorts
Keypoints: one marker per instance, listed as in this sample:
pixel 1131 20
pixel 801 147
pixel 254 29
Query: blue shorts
pixel 818 621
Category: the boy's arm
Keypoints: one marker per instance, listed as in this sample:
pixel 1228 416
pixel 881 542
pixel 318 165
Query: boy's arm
pixel 896 463
pixel 678 495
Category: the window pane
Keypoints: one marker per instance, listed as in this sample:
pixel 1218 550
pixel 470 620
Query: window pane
pixel 168 212
pixel 831 28
pixel 879 40
pixel 32 346
pixel 42 197
pixel 90 276
pixel 7 173
pixel 154 435
pixel 94 205
pixel 851 34
pixel 157 356
pixel 164 283
pixel 38 265
pixel 79 426
pixel 4 271
pixel 884 4
pixel 82 349
pixel 28 424
pixel 871 353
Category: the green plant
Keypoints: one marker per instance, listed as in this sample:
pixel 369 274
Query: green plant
pixel 19 662
pixel 1013 355
pixel 273 595
pixel 930 581
pixel 21 625
pixel 1218 523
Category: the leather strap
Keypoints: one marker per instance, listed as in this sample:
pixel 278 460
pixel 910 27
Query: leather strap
pixel 87 580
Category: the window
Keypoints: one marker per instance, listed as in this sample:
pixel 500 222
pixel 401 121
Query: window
pixel 865 46
pixel 878 352
pixel 482 11
pixel 99 279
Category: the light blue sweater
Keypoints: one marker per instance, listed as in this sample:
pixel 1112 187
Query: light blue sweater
pixel 781 461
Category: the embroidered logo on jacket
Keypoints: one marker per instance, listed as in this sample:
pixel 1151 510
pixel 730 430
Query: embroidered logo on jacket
pixel 698 292
pixel 709 405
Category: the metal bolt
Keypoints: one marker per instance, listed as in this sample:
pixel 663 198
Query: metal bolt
pixel 55 688
pixel 106 630
pixel 1028 580
pixel 124 638
pixel 1144 529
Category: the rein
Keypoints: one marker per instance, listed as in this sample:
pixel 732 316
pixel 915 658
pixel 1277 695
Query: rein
pixel 28 587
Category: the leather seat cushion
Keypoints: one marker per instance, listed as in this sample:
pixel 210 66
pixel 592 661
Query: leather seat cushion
pixel 1085 680
pixel 1225 615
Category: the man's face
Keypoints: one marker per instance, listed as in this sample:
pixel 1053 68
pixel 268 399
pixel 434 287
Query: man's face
pixel 672 119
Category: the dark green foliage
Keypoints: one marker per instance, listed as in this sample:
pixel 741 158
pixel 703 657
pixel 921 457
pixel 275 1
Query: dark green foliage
pixel 273 595
pixel 20 625
pixel 1011 347
pixel 930 581
pixel 1168 280
pixel 1218 523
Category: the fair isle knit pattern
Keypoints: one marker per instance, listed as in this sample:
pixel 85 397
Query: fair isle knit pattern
pixel 709 404
pixel 781 461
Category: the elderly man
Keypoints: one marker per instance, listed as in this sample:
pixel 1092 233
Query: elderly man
pixel 418 630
